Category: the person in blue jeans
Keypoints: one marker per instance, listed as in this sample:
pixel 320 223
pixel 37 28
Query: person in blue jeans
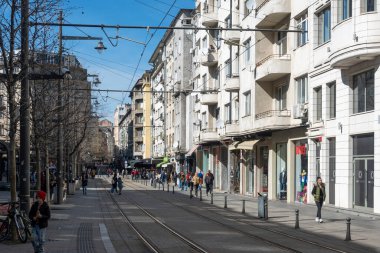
pixel 39 215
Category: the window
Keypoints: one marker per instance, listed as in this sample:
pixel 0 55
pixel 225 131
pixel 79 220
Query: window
pixel 302 37
pixel 301 86
pixel 217 78
pixel 344 9
pixel 204 82
pixel 318 103
pixel 227 113
pixel 247 51
pixel 281 97
pixel 332 170
pixel 247 103
pixel 331 100
pixel 204 120
pixel 282 43
pixel 324 26
pixel 228 68
pixel 204 42
pixel 368 5
pixel 218 36
pixel 364 92
pixel 247 11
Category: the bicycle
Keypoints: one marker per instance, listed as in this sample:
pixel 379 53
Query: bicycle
pixel 17 218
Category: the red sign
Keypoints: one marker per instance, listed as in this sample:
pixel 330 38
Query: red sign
pixel 301 150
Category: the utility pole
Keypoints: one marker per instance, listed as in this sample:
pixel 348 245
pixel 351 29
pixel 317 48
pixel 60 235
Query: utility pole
pixel 24 111
pixel 165 99
pixel 60 123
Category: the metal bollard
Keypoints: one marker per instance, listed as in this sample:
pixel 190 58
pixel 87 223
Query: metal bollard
pixel 225 201
pixel 173 189
pixel 200 194
pixel 212 198
pixel 243 207
pixel 297 225
pixel 348 232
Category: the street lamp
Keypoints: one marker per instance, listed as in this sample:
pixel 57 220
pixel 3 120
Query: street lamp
pixel 100 47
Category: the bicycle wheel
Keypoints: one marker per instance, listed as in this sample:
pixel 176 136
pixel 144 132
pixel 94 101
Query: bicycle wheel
pixel 4 230
pixel 21 229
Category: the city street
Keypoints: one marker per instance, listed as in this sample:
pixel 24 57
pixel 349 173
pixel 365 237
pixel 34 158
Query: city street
pixel 143 217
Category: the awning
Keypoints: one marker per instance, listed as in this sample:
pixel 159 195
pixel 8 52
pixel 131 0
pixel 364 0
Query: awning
pixel 234 145
pixel 192 150
pixel 247 144
pixel 165 160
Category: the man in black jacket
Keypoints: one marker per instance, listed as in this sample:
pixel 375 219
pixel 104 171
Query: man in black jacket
pixel 39 215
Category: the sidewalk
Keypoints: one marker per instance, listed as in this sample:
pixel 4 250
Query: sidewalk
pixel 70 229
pixel 364 227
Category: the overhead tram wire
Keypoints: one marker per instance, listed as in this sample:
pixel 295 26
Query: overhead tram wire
pixel 147 43
pixel 169 27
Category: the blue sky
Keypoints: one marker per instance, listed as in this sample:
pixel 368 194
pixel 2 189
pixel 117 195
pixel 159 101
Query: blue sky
pixel 116 65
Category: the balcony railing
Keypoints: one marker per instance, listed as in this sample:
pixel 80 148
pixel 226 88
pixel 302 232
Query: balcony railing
pixel 273 56
pixel 261 6
pixel 272 113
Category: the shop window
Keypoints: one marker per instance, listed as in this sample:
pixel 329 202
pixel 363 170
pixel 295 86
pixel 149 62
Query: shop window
pixel 281 162
pixel 301 171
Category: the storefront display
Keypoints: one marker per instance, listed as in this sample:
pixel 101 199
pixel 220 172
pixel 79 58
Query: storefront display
pixel 281 165
pixel 248 156
pixel 301 171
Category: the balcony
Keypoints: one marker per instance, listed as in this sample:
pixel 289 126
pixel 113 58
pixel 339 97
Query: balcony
pixel 232 127
pixel 139 111
pixel 209 134
pixel 272 119
pixel 210 59
pixel 138 95
pixel 209 98
pixel 138 139
pixel 232 83
pixel 273 67
pixel 231 37
pixel 271 12
pixel 210 17
pixel 355 40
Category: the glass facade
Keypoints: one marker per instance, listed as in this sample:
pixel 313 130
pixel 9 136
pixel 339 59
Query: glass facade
pixel 248 156
pixel 301 171
pixel 264 155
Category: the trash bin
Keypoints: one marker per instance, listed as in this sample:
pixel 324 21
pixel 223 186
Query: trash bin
pixel 71 188
pixel 263 206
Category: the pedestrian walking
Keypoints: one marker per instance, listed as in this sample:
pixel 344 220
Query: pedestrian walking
pixel 209 180
pixel 188 180
pixel 182 180
pixel 200 176
pixel 120 184
pixel 39 215
pixel 191 184
pixel 84 183
pixel 196 184
pixel 114 184
pixel 319 194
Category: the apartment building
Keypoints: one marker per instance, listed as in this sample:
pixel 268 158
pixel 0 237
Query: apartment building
pixel 170 77
pixel 286 107
pixel 126 128
pixel 147 116
pixel 118 115
pixel 138 119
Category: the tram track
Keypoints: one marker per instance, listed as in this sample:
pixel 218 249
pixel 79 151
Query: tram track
pixel 149 243
pixel 293 237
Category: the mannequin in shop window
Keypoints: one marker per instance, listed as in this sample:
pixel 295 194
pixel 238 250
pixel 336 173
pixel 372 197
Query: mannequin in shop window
pixel 303 181
pixel 283 179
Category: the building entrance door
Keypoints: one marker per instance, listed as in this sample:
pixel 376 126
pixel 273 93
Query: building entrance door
pixel 363 182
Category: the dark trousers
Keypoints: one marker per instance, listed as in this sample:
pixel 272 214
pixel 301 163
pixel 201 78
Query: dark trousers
pixel 319 207
pixel 209 188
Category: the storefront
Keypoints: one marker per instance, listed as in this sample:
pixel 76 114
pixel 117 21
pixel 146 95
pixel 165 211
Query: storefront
pixel 363 160
pixel 235 171
pixel 262 169
pixel 249 163
pixel 301 171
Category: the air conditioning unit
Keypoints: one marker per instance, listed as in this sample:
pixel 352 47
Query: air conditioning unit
pixel 299 111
